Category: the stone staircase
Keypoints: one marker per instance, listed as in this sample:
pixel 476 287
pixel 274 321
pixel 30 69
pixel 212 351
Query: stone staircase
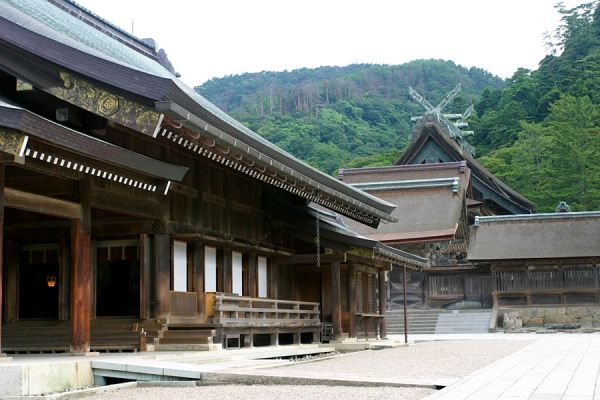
pixel 439 321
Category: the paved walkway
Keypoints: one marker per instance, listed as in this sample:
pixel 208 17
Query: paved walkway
pixel 557 366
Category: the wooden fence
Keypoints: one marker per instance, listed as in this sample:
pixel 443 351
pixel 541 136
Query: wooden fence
pixel 546 285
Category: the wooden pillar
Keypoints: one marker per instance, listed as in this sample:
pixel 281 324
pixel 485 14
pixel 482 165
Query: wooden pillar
pixel 382 305
pixel 352 298
pixel 252 282
pixel 273 279
pixel 11 284
pixel 404 285
pixel 198 265
pixel 81 273
pixel 226 271
pixel 2 355
pixel 64 276
pixel 161 275
pixel 336 301
pixel 80 288
pixel 145 265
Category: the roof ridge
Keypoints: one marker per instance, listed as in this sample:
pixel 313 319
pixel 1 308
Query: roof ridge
pixel 533 217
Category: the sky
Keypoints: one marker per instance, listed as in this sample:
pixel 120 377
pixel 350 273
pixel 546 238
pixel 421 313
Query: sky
pixel 215 38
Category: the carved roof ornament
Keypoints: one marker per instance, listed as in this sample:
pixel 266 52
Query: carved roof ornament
pixel 454 122
pixel 562 207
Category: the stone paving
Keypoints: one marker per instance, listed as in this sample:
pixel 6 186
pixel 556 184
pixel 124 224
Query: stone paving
pixel 557 366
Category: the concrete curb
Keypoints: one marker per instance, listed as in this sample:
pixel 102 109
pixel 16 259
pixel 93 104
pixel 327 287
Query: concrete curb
pixel 75 393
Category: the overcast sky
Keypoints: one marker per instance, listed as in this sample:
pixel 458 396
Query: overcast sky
pixel 214 38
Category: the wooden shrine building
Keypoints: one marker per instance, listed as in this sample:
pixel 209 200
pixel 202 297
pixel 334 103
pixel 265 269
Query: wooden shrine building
pixel 439 188
pixel 130 204
pixel 540 259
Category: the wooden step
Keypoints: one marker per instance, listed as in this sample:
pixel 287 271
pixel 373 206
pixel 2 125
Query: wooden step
pixel 187 333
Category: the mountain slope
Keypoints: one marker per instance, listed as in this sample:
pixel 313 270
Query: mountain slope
pixel 343 116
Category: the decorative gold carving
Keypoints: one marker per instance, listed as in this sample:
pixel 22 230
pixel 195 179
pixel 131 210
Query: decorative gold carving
pixel 11 141
pixel 119 109
pixel 108 104
pixel 23 86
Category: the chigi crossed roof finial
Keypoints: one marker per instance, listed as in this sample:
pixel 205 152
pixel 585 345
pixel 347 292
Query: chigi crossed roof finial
pixel 454 122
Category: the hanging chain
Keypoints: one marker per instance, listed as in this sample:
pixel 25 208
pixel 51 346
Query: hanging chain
pixel 318 242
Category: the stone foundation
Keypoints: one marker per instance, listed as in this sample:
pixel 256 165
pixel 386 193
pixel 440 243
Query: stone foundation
pixel 544 317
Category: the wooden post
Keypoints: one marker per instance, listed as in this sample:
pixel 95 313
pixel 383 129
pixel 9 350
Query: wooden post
pixel 227 267
pixel 11 285
pixel 382 305
pixel 252 282
pixel 336 302
pixel 80 288
pixel 81 273
pixel 145 262
pixel 352 298
pixel 161 282
pixel 273 279
pixel 2 355
pixel 64 268
pixel 404 278
pixel 198 264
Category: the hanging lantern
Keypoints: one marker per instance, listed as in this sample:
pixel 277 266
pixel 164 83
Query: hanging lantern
pixel 51 280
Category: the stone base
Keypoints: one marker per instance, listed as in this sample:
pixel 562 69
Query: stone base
pixel 85 354
pixel 4 357
pixel 35 379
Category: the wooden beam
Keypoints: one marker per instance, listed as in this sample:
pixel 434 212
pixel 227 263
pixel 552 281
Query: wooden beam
pixel 85 94
pixel 312 259
pixel 368 261
pixel 41 204
pixel 126 204
pixel 184 189
pixel 336 301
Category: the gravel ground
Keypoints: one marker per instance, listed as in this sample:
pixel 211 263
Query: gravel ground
pixel 266 392
pixel 447 359
pixel 441 359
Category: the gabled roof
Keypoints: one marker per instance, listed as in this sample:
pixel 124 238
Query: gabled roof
pixel 434 130
pixel 429 208
pixel 535 236
pixel 49 34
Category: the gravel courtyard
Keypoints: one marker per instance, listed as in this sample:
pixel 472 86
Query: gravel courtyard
pixel 447 359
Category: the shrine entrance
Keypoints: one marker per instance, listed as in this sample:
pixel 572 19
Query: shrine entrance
pixel 117 278
pixel 39 282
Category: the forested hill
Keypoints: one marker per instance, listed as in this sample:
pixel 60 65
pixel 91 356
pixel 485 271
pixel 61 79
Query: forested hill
pixel 343 116
pixel 541 133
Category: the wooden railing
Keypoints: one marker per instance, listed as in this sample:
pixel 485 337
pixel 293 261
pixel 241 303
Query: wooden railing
pixel 576 277
pixel 547 286
pixel 230 310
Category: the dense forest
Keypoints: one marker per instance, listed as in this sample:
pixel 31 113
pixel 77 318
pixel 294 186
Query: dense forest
pixel 539 131
pixel 342 116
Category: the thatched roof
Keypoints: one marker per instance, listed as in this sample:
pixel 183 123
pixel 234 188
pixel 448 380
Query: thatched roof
pixel 430 200
pixel 535 236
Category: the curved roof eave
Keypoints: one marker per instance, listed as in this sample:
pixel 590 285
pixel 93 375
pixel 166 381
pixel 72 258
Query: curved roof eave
pixel 157 85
